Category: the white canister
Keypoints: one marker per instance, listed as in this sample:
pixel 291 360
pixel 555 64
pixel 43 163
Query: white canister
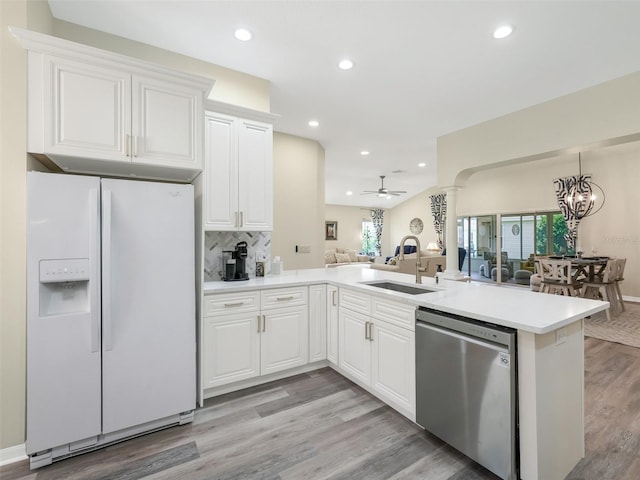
pixel 276 266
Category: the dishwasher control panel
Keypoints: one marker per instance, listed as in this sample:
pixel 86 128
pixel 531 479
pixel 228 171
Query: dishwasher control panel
pixel 467 326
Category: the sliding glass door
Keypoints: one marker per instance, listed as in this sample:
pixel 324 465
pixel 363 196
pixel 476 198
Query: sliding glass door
pixel 522 236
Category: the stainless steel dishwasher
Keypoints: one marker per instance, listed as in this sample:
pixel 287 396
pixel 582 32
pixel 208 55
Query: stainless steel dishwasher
pixel 466 388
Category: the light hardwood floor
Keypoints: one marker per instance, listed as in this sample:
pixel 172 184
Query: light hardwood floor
pixel 321 426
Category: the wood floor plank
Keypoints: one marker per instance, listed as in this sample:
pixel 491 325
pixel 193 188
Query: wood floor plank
pixel 318 426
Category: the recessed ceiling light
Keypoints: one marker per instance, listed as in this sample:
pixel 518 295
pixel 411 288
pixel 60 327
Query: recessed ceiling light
pixel 503 31
pixel 346 64
pixel 349 192
pixel 243 34
pixel 314 123
pixel 364 152
pixel 422 164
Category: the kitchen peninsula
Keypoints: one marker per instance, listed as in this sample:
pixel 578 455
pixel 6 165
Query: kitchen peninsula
pixel 550 352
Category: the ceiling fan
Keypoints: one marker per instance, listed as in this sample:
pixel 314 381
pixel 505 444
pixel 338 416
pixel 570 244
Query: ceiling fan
pixel 382 191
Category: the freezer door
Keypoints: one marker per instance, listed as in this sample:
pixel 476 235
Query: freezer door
pixel 63 310
pixel 148 300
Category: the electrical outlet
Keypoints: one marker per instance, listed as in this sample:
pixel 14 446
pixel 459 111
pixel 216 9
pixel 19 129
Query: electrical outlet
pixel 304 249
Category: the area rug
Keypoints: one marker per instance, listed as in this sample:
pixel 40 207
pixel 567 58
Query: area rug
pixel 622 328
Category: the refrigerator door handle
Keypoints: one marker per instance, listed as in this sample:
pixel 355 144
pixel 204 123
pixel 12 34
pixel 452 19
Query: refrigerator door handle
pixel 106 268
pixel 94 248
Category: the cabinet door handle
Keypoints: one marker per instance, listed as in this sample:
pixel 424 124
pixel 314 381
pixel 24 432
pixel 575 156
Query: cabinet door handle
pixel 135 146
pixel 259 323
pixel 264 323
pixel 241 219
pixel 282 299
pixel 371 331
pixel 333 298
pixel 235 223
pixel 127 140
pixel 366 330
pixel 236 304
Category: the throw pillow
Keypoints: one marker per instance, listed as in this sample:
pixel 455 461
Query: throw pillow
pixel 353 255
pixel 331 251
pixel 342 258
pixel 329 258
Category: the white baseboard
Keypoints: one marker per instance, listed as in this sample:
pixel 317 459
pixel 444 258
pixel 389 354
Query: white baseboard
pixel 12 454
pixel 628 298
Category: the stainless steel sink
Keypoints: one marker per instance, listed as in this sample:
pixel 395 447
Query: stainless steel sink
pixel 398 287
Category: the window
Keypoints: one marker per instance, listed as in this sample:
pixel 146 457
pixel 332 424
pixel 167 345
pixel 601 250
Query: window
pixel 550 232
pixel 368 238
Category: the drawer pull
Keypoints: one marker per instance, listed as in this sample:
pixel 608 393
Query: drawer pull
pixel 281 299
pixel 236 304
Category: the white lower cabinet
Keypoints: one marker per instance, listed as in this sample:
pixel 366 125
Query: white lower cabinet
pixel 249 334
pixel 354 351
pixel 332 324
pixel 317 323
pixel 393 367
pixel 231 349
pixel 284 339
pixel 379 354
pixel 369 339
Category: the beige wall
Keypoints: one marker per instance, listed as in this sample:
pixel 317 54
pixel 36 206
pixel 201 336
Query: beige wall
pixel 576 121
pixel 298 202
pixel 349 226
pixel 13 161
pixel 399 217
pixel 231 87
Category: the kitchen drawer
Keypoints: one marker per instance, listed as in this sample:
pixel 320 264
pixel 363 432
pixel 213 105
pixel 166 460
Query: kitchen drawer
pixel 283 297
pixel 355 301
pixel 240 302
pixel 396 313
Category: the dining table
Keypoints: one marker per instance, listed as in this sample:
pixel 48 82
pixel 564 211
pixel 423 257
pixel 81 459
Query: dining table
pixel 587 268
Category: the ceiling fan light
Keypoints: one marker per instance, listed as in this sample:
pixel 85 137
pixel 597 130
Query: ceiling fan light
pixel 382 194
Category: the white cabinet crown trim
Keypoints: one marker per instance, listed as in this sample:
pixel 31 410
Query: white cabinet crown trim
pixel 42 43
pixel 216 106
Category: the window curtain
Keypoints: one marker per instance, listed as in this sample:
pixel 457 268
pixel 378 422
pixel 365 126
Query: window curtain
pixel 562 187
pixel 377 216
pixel 439 213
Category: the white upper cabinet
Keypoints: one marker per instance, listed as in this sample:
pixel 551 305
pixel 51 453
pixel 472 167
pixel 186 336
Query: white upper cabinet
pixel 92 111
pixel 238 170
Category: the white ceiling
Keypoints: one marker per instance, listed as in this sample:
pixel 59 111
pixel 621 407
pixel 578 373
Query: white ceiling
pixel 423 68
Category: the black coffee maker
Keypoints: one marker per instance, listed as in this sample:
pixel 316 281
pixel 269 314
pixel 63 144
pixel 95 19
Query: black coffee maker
pixel 240 255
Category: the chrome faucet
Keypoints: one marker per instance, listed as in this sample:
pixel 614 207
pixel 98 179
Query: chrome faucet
pixel 419 267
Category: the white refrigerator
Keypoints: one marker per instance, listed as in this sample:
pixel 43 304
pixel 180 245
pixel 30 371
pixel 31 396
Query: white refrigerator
pixel 111 347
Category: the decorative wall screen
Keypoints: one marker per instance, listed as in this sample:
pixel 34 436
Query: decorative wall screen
pixel 377 216
pixel 439 212
pixel 562 187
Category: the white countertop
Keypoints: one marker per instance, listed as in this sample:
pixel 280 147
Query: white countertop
pixel 513 307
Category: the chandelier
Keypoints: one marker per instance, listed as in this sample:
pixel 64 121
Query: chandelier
pixel 585 197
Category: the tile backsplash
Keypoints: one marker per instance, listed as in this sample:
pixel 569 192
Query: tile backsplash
pixel 216 242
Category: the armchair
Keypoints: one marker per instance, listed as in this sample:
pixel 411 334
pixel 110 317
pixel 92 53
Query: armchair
pixel 491 262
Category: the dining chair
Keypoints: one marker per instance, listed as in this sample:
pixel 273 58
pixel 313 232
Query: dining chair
pixel 557 278
pixel 619 277
pixel 603 287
